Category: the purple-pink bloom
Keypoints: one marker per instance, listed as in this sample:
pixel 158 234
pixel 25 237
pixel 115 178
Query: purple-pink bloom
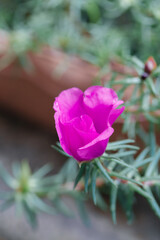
pixel 83 120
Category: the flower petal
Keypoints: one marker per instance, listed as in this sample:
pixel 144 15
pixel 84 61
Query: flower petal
pixel 98 103
pixel 96 147
pixel 75 134
pixel 115 113
pixel 69 103
pixel 60 133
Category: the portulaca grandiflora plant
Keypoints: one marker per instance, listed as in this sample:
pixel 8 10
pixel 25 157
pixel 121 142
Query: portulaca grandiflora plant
pixel 96 168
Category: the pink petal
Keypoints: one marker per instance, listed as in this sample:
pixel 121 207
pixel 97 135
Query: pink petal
pixel 96 147
pixel 98 103
pixel 60 133
pixel 115 113
pixel 75 134
pixel 119 102
pixel 69 103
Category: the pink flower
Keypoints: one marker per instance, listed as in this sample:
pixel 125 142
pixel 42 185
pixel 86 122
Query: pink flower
pixel 83 120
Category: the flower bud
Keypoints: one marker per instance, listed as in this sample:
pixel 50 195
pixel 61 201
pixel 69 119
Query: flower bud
pixel 150 65
pixel 84 120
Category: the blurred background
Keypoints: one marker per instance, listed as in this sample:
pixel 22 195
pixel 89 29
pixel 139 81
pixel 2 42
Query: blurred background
pixel 45 47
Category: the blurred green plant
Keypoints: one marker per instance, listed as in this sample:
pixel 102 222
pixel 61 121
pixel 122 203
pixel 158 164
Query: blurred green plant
pixel 142 93
pixel 32 193
pixel 95 30
pixel 116 174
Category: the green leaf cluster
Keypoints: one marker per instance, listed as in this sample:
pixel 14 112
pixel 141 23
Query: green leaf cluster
pixel 100 28
pixel 32 193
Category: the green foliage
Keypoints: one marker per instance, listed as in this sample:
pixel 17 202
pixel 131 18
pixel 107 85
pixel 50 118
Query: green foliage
pixel 119 179
pixel 142 103
pixel 100 28
pixel 119 176
pixel 29 192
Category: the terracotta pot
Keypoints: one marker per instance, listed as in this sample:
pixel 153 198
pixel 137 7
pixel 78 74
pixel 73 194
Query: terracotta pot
pixel 30 91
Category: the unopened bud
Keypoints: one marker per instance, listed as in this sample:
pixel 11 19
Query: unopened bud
pixel 150 65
